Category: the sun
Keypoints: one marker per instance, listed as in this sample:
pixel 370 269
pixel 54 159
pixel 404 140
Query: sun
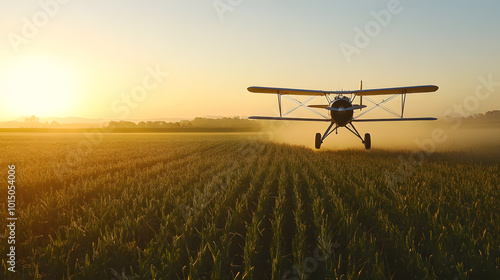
pixel 41 87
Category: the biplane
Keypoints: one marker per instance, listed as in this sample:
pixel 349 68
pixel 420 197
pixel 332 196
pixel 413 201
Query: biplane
pixel 340 109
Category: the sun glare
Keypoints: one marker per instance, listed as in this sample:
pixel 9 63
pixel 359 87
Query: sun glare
pixel 40 87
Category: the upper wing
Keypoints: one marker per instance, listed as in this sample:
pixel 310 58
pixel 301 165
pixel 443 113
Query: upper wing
pixel 381 91
pixel 398 90
pixel 288 91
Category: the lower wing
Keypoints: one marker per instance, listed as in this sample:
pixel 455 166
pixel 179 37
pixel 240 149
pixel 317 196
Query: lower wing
pixel 288 119
pixel 392 120
pixel 329 120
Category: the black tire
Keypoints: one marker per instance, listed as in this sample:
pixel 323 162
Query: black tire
pixel 368 141
pixel 318 140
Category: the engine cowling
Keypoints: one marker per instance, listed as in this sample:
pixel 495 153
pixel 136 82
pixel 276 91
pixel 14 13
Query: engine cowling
pixel 341 118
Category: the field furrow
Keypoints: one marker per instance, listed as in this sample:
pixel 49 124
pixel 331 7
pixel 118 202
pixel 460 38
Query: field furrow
pixel 206 206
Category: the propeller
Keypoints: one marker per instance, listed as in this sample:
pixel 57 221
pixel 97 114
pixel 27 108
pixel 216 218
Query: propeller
pixel 352 108
pixel 318 106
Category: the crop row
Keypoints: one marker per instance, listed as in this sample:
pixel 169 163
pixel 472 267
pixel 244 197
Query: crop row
pixel 226 207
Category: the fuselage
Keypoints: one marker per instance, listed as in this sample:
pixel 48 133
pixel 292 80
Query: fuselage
pixel 341 118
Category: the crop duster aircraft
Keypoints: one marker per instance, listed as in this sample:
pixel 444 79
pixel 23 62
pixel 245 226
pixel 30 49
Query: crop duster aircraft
pixel 341 108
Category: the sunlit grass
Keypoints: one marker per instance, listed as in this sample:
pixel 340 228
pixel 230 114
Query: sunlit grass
pixel 170 206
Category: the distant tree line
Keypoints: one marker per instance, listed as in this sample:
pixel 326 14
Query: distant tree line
pixel 197 122
pixel 488 116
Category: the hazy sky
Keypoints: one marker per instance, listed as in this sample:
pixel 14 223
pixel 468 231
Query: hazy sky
pixel 158 59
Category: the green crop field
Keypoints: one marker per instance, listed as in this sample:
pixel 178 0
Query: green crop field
pixel 228 206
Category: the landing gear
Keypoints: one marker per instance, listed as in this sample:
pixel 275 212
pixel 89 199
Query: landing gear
pixel 329 130
pixel 368 141
pixel 318 140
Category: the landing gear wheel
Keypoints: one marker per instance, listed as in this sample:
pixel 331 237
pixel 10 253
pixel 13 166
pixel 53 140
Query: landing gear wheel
pixel 368 141
pixel 318 140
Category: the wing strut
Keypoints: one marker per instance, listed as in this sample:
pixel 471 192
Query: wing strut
pixel 361 97
pixel 403 102
pixel 379 105
pixel 279 102
pixel 302 104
